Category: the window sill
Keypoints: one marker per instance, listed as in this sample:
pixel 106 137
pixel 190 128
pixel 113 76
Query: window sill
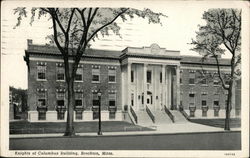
pixel 95 81
pixel 191 84
pixel 204 85
pixel 78 81
pixel 60 80
pixel 112 82
pixel 42 80
pixel 216 85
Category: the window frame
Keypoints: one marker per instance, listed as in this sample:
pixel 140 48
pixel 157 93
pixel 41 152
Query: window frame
pixel 149 77
pixel 42 95
pixel 42 70
pixel 58 70
pixel 96 72
pixel 79 69
pixel 112 99
pixel 111 74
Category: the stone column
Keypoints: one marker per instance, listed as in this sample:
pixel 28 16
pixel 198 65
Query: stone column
pixel 163 86
pixel 169 87
pixel 145 85
pixel 136 104
pixel 178 86
pixel 129 84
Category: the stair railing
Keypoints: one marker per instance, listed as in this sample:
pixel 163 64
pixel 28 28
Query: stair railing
pixel 171 116
pixel 183 112
pixel 150 114
pixel 133 114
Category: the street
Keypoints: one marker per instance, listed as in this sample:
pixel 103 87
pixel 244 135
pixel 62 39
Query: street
pixel 187 141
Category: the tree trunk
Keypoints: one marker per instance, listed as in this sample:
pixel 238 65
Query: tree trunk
pixel 229 106
pixel 70 109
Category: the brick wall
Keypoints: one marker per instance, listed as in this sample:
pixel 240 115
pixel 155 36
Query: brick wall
pixel 86 85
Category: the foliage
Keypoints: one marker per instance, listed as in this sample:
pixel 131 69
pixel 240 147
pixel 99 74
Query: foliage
pixel 223 27
pixel 74 28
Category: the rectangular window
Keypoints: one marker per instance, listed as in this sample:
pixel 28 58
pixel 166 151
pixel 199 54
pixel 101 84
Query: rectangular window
pixel 203 103
pixel 112 76
pixel 41 72
pixel 180 80
pixel 132 99
pixel 216 103
pixel 78 99
pixel 112 99
pixel 41 101
pixel 204 81
pixel 60 74
pixel 191 80
pixel 149 73
pixel 191 95
pixel 132 76
pixel 60 102
pixel 191 77
pixel 95 100
pixel 216 82
pixel 78 102
pixel 142 98
pixel 79 73
pixel 60 99
pixel 95 75
pixel 161 77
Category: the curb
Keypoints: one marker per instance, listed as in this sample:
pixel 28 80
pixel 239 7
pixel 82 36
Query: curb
pixel 60 135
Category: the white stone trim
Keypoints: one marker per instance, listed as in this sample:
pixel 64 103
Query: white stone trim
pixel 200 68
pixel 71 61
pixel 150 61
pixel 51 116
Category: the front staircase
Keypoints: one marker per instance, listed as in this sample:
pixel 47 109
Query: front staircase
pixel 150 117
pixel 161 117
pixel 144 119
pixel 178 117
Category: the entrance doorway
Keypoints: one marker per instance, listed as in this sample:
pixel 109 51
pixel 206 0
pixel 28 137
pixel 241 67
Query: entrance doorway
pixel 149 100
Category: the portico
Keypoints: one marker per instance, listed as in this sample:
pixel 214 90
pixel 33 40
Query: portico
pixel 148 80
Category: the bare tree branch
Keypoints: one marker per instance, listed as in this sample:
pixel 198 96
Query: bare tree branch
pixel 97 30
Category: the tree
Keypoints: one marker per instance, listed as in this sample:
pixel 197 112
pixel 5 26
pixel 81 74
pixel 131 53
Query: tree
pixel 73 29
pixel 223 28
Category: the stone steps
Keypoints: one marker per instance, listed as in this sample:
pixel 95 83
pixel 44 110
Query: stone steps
pixel 178 117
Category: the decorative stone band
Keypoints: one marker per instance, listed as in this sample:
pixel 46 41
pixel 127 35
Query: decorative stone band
pixel 41 90
pixel 41 63
pixel 112 67
pixel 79 108
pixel 61 90
pixel 42 108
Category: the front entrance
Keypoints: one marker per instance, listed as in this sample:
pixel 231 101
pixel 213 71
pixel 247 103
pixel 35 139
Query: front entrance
pixel 149 101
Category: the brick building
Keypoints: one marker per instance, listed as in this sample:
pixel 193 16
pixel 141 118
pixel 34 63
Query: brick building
pixel 147 83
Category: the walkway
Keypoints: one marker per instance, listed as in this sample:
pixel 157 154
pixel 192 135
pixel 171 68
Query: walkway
pixel 160 129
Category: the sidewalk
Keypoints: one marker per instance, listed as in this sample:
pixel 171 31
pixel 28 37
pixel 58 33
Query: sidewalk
pixel 161 129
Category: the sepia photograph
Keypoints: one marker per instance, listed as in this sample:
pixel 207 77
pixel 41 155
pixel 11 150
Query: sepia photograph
pixel 124 78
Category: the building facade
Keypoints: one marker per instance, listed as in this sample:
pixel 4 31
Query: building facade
pixel 140 83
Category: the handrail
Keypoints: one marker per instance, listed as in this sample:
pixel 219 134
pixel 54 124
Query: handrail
pixel 171 116
pixel 150 114
pixel 183 112
pixel 133 114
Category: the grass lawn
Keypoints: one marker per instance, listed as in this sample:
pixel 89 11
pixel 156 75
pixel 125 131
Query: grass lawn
pixel 234 122
pixel 24 127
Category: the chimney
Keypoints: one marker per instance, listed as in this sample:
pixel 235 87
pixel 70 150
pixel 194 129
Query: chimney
pixel 29 42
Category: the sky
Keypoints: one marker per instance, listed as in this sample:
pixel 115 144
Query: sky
pixel 175 33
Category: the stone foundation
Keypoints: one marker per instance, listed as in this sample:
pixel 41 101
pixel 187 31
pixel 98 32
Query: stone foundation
pixel 51 116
